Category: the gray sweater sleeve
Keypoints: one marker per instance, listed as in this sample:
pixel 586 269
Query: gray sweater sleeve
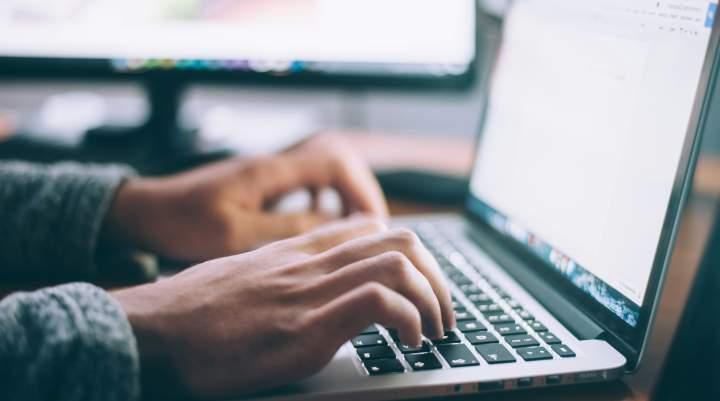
pixel 71 342
pixel 51 216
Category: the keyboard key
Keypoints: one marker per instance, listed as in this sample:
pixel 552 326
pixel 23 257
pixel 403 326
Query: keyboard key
pixel 375 352
pixel 478 338
pixel 468 326
pixel 463 316
pixel 537 326
pixel 424 361
pixel 383 366
pixel 366 340
pixel 450 337
pixel 508 329
pixel 372 329
pixel 495 353
pixel 525 315
pixel 480 299
pixel 394 335
pixel 448 268
pixel 514 304
pixel 490 309
pixel 549 338
pixel 563 350
pixel 468 289
pixel 406 349
pixel 534 353
pixel 501 293
pixel 521 340
pixel 460 279
pixel 503 318
pixel 456 304
pixel 457 355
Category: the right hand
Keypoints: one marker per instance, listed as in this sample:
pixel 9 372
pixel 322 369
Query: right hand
pixel 268 317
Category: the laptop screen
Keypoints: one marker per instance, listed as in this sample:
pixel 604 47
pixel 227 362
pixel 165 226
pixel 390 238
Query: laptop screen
pixel 589 109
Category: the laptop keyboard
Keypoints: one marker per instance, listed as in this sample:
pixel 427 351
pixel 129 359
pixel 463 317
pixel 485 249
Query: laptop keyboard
pixel 492 327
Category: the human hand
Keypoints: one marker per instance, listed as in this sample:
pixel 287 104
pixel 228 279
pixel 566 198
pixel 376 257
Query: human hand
pixel 277 314
pixel 223 208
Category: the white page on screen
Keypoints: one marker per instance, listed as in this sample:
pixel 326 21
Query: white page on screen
pixel 589 108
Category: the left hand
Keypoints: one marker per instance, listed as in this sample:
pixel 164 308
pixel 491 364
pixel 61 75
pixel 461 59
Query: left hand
pixel 223 208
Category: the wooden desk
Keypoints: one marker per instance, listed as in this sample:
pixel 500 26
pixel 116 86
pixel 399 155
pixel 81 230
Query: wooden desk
pixel 455 156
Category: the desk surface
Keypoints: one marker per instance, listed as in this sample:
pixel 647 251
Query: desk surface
pixel 455 156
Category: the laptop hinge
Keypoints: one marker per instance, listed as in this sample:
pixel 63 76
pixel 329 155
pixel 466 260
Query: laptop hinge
pixel 581 325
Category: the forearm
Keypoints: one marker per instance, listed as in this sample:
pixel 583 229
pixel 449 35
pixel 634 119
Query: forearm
pixel 51 217
pixel 71 342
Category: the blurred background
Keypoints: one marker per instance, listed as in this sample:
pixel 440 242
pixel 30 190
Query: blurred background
pixel 253 74
pixel 243 76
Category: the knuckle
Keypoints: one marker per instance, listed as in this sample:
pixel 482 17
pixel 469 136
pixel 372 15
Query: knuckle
pixel 255 168
pixel 375 224
pixel 405 237
pixel 375 295
pixel 295 326
pixel 398 265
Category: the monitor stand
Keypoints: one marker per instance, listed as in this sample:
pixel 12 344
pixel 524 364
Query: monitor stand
pixel 158 146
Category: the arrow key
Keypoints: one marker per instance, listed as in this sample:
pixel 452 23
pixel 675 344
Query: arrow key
pixel 534 353
pixel 563 350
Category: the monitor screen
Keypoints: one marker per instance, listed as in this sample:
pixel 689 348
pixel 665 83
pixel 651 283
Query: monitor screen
pixel 355 37
pixel 590 105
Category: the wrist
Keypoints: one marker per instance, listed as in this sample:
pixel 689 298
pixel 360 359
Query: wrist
pixel 129 220
pixel 142 306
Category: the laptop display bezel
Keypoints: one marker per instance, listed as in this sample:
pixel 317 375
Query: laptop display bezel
pixel 627 339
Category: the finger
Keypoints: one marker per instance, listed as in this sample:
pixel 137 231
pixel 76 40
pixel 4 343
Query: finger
pixel 395 271
pixel 268 227
pixel 333 234
pixel 332 165
pixel 346 316
pixel 358 186
pixel 401 240
pixel 314 198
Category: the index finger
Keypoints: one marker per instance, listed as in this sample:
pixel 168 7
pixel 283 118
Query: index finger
pixel 326 161
pixel 333 234
pixel 406 242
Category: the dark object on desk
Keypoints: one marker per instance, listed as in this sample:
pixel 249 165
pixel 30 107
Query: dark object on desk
pixel 137 154
pixel 692 370
pixel 424 187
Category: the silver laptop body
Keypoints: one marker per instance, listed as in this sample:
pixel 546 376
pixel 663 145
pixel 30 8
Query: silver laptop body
pixel 584 159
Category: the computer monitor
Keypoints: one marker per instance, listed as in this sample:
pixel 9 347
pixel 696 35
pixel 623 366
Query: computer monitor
pixel 428 40
pixel 166 44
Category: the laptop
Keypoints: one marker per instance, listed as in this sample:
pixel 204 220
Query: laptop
pixel 583 162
